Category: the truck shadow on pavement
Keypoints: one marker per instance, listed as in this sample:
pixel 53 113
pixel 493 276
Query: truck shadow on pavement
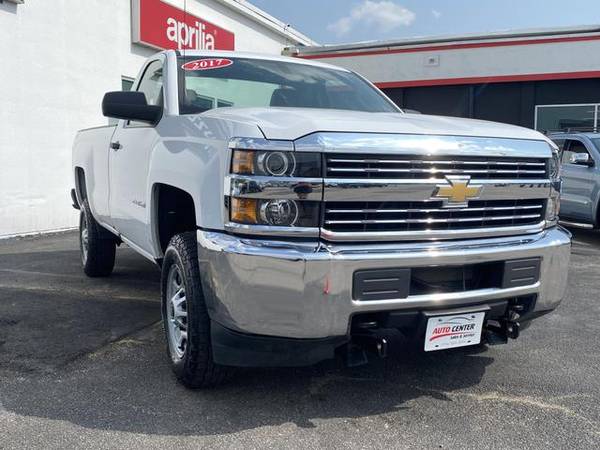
pixel 91 352
pixel 128 387
pixel 50 313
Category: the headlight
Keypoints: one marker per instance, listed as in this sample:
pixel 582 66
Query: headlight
pixel 276 163
pixel 274 191
pixel 277 212
pixel 282 213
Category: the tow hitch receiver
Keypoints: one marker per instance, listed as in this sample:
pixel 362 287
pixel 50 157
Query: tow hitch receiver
pixel 499 331
pixel 365 344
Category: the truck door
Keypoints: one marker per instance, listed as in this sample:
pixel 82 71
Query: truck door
pixel 578 184
pixel 130 152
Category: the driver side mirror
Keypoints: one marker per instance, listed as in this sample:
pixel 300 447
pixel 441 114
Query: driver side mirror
pixel 581 159
pixel 130 105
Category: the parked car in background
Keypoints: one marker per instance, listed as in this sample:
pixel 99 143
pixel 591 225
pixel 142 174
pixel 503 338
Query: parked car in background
pixel 580 158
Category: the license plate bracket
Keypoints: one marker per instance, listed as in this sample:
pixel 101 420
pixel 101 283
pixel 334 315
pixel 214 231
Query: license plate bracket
pixel 453 330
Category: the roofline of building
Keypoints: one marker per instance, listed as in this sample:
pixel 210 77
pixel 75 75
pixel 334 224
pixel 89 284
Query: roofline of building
pixel 253 12
pixel 367 46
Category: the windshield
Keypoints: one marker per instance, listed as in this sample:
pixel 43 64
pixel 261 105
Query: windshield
pixel 207 83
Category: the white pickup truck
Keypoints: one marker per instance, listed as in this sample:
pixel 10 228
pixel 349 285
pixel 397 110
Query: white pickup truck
pixel 298 214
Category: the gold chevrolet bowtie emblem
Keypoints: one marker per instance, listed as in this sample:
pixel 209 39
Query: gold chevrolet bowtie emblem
pixel 458 192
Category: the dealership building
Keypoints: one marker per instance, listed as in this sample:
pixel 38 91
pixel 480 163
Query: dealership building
pixel 61 56
pixel 544 79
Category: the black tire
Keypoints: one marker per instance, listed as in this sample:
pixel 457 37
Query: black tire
pixel 191 362
pixel 99 248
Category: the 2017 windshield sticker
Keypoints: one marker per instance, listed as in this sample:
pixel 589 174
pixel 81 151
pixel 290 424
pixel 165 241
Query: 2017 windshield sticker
pixel 207 64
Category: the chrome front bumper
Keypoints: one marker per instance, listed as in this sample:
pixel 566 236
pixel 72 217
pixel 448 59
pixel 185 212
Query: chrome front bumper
pixel 299 290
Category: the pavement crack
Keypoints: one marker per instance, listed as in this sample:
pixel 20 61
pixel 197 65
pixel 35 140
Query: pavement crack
pixel 43 274
pixel 63 290
pixel 123 339
pixel 524 400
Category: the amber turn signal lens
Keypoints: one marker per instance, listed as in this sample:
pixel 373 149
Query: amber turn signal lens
pixel 243 162
pixel 243 210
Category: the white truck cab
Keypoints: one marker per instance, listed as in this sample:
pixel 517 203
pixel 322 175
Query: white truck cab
pixel 297 214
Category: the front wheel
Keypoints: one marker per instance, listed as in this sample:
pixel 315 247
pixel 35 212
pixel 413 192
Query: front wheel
pixel 185 317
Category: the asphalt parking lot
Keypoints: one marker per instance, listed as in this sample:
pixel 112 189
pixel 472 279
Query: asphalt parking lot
pixel 82 363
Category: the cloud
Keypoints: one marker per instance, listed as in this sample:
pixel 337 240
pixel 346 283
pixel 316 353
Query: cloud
pixel 385 15
pixel 437 14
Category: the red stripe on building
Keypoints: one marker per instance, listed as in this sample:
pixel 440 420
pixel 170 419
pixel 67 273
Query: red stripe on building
pixel 431 48
pixel 490 79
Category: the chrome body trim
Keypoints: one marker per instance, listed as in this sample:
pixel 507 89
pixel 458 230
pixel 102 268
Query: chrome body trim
pixel 586 226
pixel 274 187
pixel 347 165
pixel 432 235
pixel 433 171
pixel 268 230
pixel 433 162
pixel 243 143
pixel 487 208
pixel 425 145
pixel 304 290
pixel 340 190
pixel 448 220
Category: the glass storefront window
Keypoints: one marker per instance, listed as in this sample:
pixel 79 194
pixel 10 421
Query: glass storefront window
pixel 581 117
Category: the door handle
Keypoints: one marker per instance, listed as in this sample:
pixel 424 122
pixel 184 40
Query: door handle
pixel 116 145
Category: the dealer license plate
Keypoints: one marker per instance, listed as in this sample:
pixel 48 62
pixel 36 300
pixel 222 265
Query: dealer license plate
pixel 458 330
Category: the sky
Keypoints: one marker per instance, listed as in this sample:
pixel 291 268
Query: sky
pixel 343 21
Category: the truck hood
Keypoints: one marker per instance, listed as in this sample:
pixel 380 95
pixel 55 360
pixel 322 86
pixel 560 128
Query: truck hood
pixel 294 123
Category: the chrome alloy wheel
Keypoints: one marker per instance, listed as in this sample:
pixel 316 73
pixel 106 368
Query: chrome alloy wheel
pixel 85 240
pixel 176 312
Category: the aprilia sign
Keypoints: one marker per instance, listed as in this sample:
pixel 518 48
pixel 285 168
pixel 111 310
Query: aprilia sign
pixel 162 26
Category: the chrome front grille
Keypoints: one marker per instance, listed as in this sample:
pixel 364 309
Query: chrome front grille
pixel 352 165
pixel 423 216
pixel 386 187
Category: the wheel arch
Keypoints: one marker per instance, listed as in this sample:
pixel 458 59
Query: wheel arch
pixel 80 184
pixel 173 211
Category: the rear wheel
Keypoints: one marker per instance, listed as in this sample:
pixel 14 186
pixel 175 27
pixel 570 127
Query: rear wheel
pixel 97 245
pixel 185 317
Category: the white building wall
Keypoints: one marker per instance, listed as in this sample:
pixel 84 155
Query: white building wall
pixel 250 36
pixel 59 57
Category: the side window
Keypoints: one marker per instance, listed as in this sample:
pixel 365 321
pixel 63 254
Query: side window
pixel 126 83
pixel 560 143
pixel 572 147
pixel 151 84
